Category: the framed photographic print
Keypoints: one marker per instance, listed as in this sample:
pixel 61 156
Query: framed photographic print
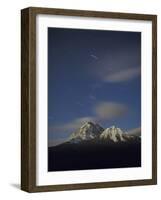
pixel 89 99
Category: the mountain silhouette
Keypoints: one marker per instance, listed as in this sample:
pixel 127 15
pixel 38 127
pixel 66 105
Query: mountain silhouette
pixel 93 147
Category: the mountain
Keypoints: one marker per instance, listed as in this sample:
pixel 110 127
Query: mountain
pixel 88 131
pixel 114 134
pixel 94 132
pixel 93 147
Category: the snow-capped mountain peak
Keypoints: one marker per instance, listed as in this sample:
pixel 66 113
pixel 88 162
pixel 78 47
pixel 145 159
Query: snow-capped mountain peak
pixel 87 131
pixel 114 134
pixel 92 131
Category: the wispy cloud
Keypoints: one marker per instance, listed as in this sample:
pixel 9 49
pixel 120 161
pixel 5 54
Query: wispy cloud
pixel 119 67
pixel 55 142
pixel 71 125
pixel 135 131
pixel 110 110
pixel 102 111
pixel 121 75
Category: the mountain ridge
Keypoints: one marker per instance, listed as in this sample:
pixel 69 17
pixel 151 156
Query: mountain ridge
pixel 93 131
pixel 93 147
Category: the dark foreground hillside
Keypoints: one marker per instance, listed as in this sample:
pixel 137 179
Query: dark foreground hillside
pixel 88 155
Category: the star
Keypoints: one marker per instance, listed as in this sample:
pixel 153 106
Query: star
pixel 94 56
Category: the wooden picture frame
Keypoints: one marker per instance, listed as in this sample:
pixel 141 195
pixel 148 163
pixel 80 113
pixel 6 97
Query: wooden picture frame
pixel 28 98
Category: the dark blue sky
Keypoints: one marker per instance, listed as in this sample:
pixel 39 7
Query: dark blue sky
pixel 93 75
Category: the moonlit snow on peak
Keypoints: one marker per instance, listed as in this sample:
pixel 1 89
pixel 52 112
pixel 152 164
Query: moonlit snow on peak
pixel 92 131
pixel 87 131
pixel 113 133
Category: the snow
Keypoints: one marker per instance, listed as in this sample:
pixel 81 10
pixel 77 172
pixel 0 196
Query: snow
pixel 91 131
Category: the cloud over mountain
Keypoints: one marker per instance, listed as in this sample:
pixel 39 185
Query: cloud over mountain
pixel 55 142
pixel 71 125
pixel 135 131
pixel 110 110
pixel 121 75
pixel 102 111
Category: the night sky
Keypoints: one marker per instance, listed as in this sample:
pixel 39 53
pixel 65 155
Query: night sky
pixel 93 75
